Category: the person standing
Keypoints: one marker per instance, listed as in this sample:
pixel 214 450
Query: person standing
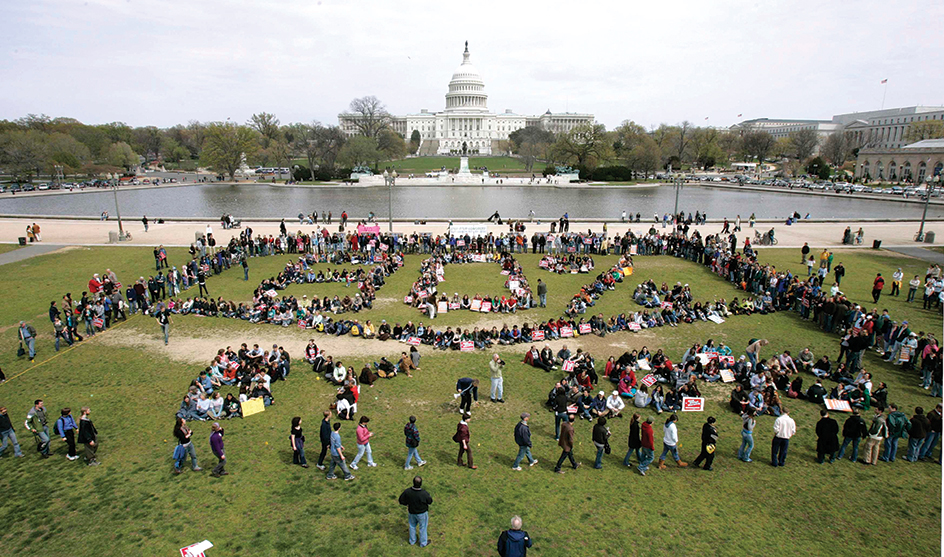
pixel 184 447
pixel 913 288
pixel 27 335
pixel 325 437
pixel 878 431
pixel 515 542
pixel 542 293
pixel 566 442
pixel 916 433
pixel 467 389
pixel 202 283
pixel 784 429
pixel 647 446
pixel 897 277
pixel 709 440
pixel 495 368
pixel 144 221
pixel 363 435
pixel 216 445
pixel 897 424
pixel 747 435
pixel 417 501
pixel 934 433
pixel 88 436
pixel 245 263
pixel 65 428
pixel 523 440
pixel 412 435
pixel 297 439
pixel 337 456
pixel 827 438
pixel 37 424
pixel 853 430
pixel 804 252
pixel 462 437
pixel 877 285
pixel 8 434
pixel 635 442
pixel 840 272
pixel 163 319
pixel 600 435
pixel 670 441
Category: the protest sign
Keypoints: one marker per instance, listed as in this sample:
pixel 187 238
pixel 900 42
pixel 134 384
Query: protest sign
pixel 413 341
pixel 466 346
pixel 584 328
pixel 837 405
pixel 566 332
pixel 476 305
pixel 442 307
pixel 693 404
pixel 567 366
pixel 253 406
pixel 486 307
pixel 537 335
pixel 649 380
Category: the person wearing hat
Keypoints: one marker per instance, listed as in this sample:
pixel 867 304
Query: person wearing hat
pixel 709 439
pixel 598 405
pixel 615 405
pixel 523 439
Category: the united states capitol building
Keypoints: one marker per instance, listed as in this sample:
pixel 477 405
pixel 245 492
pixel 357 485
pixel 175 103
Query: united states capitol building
pixel 466 126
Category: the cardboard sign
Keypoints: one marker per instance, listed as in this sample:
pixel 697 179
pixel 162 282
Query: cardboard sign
pixel 643 364
pixel 513 285
pixel 703 358
pixel 442 307
pixel 632 250
pixel 422 294
pixel 666 305
pixel 726 360
pixel 271 293
pixel 196 549
pixel 715 319
pixel 727 376
pixel 537 335
pixel 571 249
pixel 486 307
pixel 408 299
pixel 253 406
pixel 634 326
pixel 368 229
pixel 693 404
pixel 466 346
pixel 506 273
pixel 413 341
pixel 588 241
pixel 453 306
pixel 627 271
pixel 566 332
pixel 543 264
pixel 384 247
pixel 98 322
pixel 476 305
pixel 905 354
pixel 584 328
pixel 837 405
pixel 460 243
pixel 572 409
pixel 301 323
pixel 567 366
pixel 649 380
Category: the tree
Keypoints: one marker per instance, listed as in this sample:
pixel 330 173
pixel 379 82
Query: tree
pixel 38 122
pixel 267 125
pixel 646 156
pixel 148 140
pixel 628 136
pixel 531 143
pixel 121 154
pixel 281 154
pixel 804 143
pixel 682 138
pixel 227 145
pixel 928 129
pixel 369 116
pixel 66 151
pixel 837 148
pixel 415 140
pixel 704 146
pixel 391 145
pixel 584 145
pixel 359 151
pixel 818 167
pixel 22 152
pixel 757 144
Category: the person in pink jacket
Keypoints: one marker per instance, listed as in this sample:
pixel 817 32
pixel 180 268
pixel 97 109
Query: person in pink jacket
pixel 363 443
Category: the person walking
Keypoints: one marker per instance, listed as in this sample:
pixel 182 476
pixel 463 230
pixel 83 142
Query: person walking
pixel 647 446
pixel 784 429
pixel 412 435
pixel 601 436
pixel 747 435
pixel 542 293
pixel 27 335
pixel 297 439
pixel 495 367
pixel 325 438
pixel 566 442
pixel 515 542
pixel 466 390
pixel 337 456
pixel 65 428
pixel 36 422
pixel 804 252
pixel 913 285
pixel 709 440
pixel 163 319
pixel 670 441
pixel 827 438
pixel 462 437
pixel 523 440
pixel 853 430
pixel 216 445
pixel 877 285
pixel 184 447
pixel 245 263
pixel 8 434
pixel 878 431
pixel 634 441
pixel 417 501
pixel 88 436
pixel 363 435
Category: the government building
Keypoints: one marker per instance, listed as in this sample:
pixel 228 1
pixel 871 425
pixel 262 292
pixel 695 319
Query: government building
pixel 466 126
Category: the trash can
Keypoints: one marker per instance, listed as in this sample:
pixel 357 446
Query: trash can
pixel 929 237
pixel 876 244
pixel 22 240
pixel 112 237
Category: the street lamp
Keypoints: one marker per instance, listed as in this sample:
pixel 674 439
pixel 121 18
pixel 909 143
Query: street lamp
pixel 678 186
pixel 121 230
pixel 932 180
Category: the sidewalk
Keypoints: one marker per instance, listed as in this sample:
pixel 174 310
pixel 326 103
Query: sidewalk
pixel 92 233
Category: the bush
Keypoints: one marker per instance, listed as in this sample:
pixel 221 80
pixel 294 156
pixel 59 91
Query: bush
pixel 818 167
pixel 608 174
pixel 549 170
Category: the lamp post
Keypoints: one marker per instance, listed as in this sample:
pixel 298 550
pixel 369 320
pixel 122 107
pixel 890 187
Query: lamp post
pixel 678 186
pixel 121 230
pixel 927 200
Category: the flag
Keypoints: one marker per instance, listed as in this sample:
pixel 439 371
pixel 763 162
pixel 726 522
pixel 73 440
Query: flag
pixel 739 115
pixel 706 117
pixel 884 81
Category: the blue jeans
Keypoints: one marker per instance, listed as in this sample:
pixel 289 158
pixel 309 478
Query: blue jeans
pixel 43 438
pixel 913 449
pixel 523 451
pixel 543 298
pixel 747 445
pixel 929 442
pixel 778 451
pixel 599 461
pixel 666 449
pixel 298 455
pixel 419 521
pixel 558 418
pixel 188 450
pixel 411 453
pixel 645 460
pixel 891 449
pixel 630 452
pixel 361 451
pixel 31 347
pixel 166 328
pixel 335 463
pixel 855 448
pixel 10 435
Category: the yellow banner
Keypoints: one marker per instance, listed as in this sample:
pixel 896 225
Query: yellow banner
pixel 253 406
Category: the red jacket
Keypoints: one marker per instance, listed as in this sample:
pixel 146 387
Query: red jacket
pixel 646 431
pixel 462 434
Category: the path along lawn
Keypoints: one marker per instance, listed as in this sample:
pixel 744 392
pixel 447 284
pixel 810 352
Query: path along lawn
pixel 133 505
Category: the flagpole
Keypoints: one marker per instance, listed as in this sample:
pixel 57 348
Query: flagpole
pixel 884 92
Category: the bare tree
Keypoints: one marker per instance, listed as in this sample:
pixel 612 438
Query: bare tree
pixel 837 148
pixel 682 138
pixel 804 143
pixel 757 144
pixel 369 116
pixel 267 125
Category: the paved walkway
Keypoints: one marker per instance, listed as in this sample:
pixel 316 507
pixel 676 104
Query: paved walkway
pixel 928 255
pixel 27 252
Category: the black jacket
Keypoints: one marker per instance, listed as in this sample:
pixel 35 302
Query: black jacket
pixel 827 436
pixel 523 435
pixel 87 432
pixel 325 432
pixel 417 501
pixel 855 427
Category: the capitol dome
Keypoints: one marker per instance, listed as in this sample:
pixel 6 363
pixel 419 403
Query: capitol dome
pixel 466 88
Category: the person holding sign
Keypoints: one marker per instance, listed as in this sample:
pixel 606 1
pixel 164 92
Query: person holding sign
pixel 495 367
pixel 709 440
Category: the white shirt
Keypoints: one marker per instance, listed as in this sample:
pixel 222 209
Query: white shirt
pixel 670 434
pixel 784 427
pixel 614 402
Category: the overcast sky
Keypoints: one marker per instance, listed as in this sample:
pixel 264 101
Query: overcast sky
pixel 163 62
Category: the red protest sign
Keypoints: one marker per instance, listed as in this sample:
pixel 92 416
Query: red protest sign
pixel 693 404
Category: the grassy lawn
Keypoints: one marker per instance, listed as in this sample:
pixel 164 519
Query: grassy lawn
pixel 133 505
pixel 4 248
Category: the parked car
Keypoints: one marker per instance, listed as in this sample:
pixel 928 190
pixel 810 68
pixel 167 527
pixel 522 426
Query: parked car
pixel 29 187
